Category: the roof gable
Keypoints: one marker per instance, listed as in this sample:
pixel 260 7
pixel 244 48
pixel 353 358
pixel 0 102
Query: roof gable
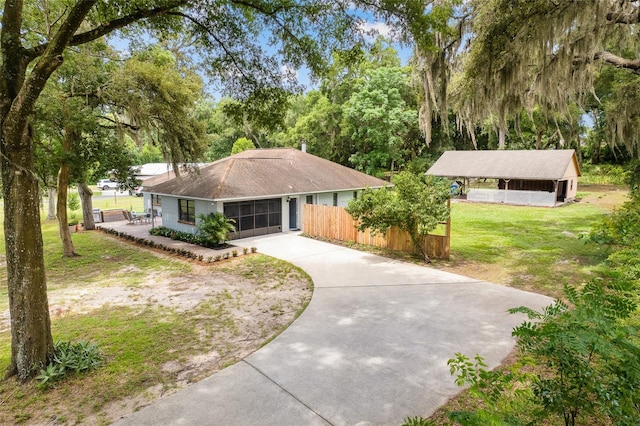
pixel 266 172
pixel 501 164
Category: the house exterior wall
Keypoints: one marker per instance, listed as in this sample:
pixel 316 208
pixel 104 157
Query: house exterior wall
pixel 147 204
pixel 572 188
pixel 146 200
pixel 326 198
pixel 171 213
pixel 170 208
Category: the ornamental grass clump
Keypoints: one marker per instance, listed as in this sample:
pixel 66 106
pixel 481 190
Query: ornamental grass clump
pixel 69 358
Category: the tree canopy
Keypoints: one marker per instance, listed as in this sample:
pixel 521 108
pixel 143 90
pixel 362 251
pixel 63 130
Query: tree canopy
pixel 499 57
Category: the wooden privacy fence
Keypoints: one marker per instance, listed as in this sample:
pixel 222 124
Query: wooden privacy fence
pixel 336 224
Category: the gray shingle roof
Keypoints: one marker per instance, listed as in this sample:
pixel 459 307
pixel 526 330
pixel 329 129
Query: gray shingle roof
pixel 523 164
pixel 261 173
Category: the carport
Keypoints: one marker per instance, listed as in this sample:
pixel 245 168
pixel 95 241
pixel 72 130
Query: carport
pixel 522 177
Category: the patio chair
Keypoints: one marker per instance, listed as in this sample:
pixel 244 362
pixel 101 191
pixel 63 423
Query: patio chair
pixel 131 218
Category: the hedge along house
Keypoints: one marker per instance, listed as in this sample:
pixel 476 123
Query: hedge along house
pixel 262 190
pixel 535 178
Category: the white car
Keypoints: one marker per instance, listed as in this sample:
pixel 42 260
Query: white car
pixel 105 184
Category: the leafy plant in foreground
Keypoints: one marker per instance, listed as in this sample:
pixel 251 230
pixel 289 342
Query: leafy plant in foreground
pixel 586 360
pixel 490 387
pixel 216 227
pixel 591 358
pixel 70 357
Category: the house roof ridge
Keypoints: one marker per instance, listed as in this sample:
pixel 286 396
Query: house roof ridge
pixel 227 170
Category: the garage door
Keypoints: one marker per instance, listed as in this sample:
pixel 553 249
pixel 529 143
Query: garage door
pixel 258 217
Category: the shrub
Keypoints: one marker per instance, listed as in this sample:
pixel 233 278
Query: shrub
pixel 197 239
pixel 73 202
pixel 417 205
pixel 603 174
pixel 69 357
pixel 215 227
pixel 593 363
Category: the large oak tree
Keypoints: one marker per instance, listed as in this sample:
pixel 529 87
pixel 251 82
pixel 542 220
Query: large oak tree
pixel 231 39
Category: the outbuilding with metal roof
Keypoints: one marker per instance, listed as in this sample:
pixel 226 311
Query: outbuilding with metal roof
pixel 521 177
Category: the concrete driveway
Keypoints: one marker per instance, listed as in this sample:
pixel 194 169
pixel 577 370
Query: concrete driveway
pixel 370 349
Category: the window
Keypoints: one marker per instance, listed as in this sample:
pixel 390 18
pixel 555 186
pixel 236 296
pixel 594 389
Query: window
pixel 156 200
pixel 249 215
pixel 309 199
pixel 335 199
pixel 187 211
pixel 355 195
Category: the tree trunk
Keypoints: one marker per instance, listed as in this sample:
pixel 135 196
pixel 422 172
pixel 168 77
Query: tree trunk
pixel 70 135
pixel 502 135
pixel 52 196
pixel 87 206
pixel 63 221
pixel 31 340
pixel 539 138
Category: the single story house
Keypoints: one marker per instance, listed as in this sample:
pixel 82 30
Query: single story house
pixel 522 177
pixel 262 190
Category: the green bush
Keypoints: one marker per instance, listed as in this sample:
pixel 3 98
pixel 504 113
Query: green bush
pixel 187 237
pixel 69 357
pixel 215 227
pixel 581 364
pixel 73 202
pixel 603 174
pixel 590 362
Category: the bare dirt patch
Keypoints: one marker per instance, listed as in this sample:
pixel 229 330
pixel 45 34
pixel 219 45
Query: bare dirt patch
pixel 607 197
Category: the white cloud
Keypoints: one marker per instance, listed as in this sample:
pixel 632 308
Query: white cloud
pixel 289 74
pixel 373 29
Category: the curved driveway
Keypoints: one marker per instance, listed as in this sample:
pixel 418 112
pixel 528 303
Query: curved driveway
pixel 370 349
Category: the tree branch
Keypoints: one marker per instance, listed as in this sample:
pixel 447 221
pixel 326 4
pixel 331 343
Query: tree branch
pixel 11 47
pixel 111 26
pixel 129 126
pixel 619 17
pixel 618 61
pixel 216 38
pixel 51 59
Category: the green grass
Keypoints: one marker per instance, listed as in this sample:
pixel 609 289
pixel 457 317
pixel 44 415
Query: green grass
pixel 538 249
pixel 120 201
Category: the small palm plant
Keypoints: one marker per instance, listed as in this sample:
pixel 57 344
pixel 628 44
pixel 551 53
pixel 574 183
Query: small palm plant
pixel 216 227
